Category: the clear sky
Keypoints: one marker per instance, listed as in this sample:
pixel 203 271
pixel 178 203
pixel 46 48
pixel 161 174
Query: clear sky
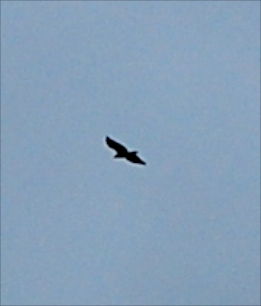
pixel 177 81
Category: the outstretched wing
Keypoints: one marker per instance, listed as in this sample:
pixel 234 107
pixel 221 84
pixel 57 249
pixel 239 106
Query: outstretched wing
pixel 116 146
pixel 135 159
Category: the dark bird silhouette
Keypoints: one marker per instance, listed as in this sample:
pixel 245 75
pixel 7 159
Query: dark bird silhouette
pixel 122 152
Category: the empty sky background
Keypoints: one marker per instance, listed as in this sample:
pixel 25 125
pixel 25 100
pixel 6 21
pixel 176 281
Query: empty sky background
pixel 179 82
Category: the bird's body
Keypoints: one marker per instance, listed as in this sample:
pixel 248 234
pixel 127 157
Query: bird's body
pixel 122 152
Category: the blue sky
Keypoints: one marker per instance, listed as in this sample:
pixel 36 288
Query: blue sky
pixel 177 81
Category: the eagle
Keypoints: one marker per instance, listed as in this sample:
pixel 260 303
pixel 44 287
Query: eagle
pixel 122 152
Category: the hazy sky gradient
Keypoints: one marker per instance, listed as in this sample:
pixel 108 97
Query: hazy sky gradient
pixel 177 81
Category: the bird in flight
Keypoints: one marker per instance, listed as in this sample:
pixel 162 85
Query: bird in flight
pixel 122 152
